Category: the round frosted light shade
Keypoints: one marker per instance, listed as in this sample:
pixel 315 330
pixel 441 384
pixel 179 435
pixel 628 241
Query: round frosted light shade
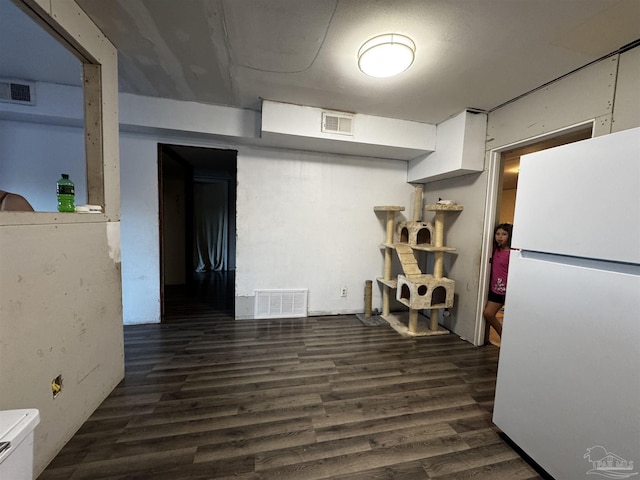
pixel 386 55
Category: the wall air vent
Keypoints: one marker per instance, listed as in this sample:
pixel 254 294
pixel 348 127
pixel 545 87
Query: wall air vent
pixel 334 122
pixel 280 303
pixel 17 91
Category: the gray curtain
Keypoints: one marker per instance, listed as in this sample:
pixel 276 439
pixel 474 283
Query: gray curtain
pixel 211 225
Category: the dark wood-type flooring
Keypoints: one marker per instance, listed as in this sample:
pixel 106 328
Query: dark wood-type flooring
pixel 207 397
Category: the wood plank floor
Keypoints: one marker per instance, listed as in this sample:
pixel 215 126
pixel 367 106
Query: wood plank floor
pixel 207 397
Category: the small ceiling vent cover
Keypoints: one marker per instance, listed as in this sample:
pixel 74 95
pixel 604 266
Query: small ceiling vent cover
pixel 334 122
pixel 280 303
pixel 17 91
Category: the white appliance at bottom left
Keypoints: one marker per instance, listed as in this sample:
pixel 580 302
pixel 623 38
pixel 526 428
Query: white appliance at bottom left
pixel 16 443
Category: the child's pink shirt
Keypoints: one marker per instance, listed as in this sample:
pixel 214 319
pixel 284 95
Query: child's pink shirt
pixel 499 271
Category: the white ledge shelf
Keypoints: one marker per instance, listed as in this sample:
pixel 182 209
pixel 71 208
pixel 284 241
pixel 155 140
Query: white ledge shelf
pixel 422 248
pixel 444 208
pixel 388 208
pixel 430 248
pixel 49 218
pixel 388 283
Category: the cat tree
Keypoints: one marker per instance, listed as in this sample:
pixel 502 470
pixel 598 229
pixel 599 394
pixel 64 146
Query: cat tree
pixel 415 289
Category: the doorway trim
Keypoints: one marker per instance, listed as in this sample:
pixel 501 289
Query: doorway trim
pixel 494 182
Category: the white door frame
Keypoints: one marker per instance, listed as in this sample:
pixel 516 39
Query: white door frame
pixel 491 203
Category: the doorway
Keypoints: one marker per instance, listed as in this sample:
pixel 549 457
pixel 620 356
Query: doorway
pixel 510 166
pixel 197 197
pixel 501 202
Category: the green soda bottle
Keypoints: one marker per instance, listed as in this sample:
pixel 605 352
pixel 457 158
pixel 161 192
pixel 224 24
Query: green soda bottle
pixel 66 194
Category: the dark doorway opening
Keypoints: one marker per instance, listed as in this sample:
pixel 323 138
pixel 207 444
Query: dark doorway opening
pixel 197 188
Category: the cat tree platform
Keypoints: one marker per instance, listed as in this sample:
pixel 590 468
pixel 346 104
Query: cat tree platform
pixel 420 292
pixel 413 324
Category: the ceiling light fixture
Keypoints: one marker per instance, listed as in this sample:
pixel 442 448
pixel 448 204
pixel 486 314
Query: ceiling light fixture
pixel 386 55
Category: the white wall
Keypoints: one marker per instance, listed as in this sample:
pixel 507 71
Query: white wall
pixel 299 127
pixel 463 231
pixel 60 308
pixel 316 198
pixel 584 95
pixel 459 151
pixel 140 229
pixel 306 221
pixel 60 314
pixel 341 185
pixel 626 112
pixel 31 168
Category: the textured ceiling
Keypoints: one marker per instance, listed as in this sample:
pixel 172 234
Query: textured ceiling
pixel 470 53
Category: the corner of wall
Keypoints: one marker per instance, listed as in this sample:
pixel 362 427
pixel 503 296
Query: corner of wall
pixel 460 147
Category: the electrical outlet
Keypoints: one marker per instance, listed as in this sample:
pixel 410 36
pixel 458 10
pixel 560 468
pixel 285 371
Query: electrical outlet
pixel 343 292
pixel 56 386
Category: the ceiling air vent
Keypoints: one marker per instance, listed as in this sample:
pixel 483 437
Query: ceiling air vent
pixel 17 91
pixel 341 123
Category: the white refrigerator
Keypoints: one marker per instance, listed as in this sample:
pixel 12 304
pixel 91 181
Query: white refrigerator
pixel 568 386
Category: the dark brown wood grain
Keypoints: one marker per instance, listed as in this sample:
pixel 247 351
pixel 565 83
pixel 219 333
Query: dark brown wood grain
pixel 208 397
